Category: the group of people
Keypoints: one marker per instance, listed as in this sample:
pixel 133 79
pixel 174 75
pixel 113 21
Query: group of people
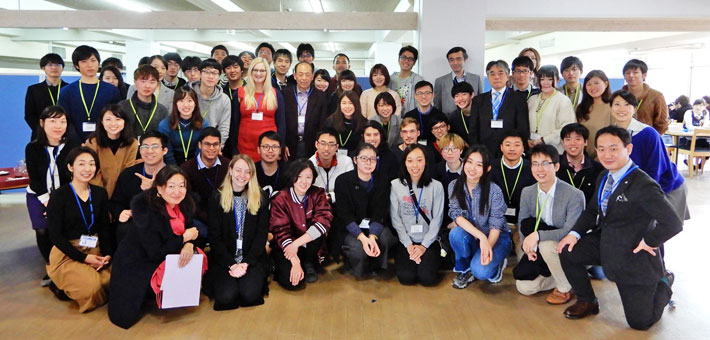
pixel 278 174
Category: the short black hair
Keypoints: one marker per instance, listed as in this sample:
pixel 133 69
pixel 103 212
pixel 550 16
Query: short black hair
pixel 421 84
pixel 546 150
pixel 323 73
pixel 625 95
pixel 230 60
pixel 461 87
pixel 209 131
pixel 189 62
pixel 159 57
pixel 313 68
pixel 341 55
pixel 387 97
pixel 411 49
pixel 455 50
pixel 682 100
pixel 381 68
pixel 576 128
pixel 267 45
pixel 83 52
pixel 144 61
pixel 51 58
pixel 209 62
pixel 219 47
pixel 511 133
pixel 570 61
pixel 436 119
pixel 327 131
pixel 404 176
pixel 295 169
pixel 172 56
pixel 634 64
pixel 548 71
pixel 283 52
pixel 79 150
pixel 614 130
pixel 53 111
pixel 523 61
pixel 273 135
pixel 156 134
pixel 305 47
pixel 242 53
pixel 112 61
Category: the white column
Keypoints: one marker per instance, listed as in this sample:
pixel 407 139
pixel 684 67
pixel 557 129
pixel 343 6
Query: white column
pixel 386 53
pixel 135 50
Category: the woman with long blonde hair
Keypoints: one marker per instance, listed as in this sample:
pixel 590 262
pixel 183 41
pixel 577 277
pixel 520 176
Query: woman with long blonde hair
pixel 260 109
pixel 238 225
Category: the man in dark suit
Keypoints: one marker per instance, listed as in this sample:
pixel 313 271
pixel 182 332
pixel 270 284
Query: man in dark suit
pixel 306 111
pixel 624 237
pixel 498 110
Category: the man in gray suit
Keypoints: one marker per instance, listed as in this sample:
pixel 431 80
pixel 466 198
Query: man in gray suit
pixel 442 86
pixel 548 211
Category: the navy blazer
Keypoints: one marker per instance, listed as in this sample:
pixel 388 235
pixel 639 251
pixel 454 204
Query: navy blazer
pixel 514 113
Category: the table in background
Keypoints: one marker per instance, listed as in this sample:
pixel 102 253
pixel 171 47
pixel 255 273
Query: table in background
pixel 13 180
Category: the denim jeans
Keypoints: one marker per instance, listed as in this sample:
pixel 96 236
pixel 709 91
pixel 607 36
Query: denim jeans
pixel 467 253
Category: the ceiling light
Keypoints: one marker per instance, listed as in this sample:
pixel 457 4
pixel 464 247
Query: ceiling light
pixel 316 6
pixel 228 5
pixel 331 46
pixel 288 46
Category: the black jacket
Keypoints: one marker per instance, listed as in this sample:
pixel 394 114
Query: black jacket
pixel 513 111
pixel 38 164
pixel 584 179
pixel 38 97
pixel 316 114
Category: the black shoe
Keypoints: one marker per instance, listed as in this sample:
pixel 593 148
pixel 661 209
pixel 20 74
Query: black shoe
pixel 310 271
pixel 45 281
pixel 58 292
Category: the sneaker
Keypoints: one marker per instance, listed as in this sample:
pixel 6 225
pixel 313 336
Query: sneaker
pixel 669 278
pixel 310 271
pixel 45 281
pixel 499 274
pixel 462 280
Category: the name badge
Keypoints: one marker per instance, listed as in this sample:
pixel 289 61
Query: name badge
pixel 88 127
pixel 343 152
pixel 239 244
pixel 417 228
pixel 365 223
pixel 535 136
pixel 88 241
pixel 257 116
pixel 496 124
pixel 510 212
pixel 422 142
pixel 301 119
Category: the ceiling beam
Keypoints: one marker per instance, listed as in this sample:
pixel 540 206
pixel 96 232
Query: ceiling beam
pixel 599 24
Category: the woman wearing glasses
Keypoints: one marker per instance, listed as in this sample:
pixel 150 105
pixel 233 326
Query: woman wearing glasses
pixel 361 223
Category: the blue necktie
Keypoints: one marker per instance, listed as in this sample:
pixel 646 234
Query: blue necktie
pixel 606 193
pixel 496 99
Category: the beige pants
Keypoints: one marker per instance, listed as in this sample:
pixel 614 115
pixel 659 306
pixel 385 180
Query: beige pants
pixel 81 282
pixel 548 250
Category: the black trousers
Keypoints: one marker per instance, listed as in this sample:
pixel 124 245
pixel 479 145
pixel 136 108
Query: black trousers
pixel 426 272
pixel 248 290
pixel 282 274
pixel 359 261
pixel 643 304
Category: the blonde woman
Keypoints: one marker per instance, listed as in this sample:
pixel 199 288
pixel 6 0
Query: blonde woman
pixel 260 109
pixel 238 225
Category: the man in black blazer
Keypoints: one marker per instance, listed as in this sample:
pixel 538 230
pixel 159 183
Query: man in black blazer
pixel 498 110
pixel 46 93
pixel 306 111
pixel 624 237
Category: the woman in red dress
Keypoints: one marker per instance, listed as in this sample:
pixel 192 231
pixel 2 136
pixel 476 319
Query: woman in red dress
pixel 260 109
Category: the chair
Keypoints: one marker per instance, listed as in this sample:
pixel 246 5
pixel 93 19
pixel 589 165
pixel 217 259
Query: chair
pixel 693 152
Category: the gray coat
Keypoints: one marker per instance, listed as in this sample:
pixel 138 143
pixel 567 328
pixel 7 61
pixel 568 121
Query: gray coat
pixel 442 90
pixel 567 205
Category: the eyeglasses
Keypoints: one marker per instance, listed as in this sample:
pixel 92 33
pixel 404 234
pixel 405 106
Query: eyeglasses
pixel 306 55
pixel 521 71
pixel 366 159
pixel 611 150
pixel 439 127
pixel 544 164
pixel 210 145
pixel 405 58
pixel 211 73
pixel 258 71
pixel 327 145
pixel 423 93
pixel 450 149
pixel 151 147
pixel 271 147
pixel 53 65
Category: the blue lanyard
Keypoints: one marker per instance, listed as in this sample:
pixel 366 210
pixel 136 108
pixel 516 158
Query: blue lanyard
pixel 52 170
pixel 613 188
pixel 238 221
pixel 258 103
pixel 91 208
pixel 496 109
pixel 298 102
pixel 216 172
pixel 418 204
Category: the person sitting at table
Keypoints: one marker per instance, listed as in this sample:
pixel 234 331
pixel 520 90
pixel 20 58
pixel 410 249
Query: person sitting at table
pixel 45 157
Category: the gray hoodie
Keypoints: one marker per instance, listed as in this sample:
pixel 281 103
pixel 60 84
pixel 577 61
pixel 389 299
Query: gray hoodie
pixel 164 94
pixel 217 109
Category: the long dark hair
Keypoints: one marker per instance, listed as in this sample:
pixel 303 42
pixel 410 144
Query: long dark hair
pixel 126 137
pixel 54 111
pixel 157 203
pixel 180 94
pixel 383 136
pixel 586 104
pixel 404 176
pixel 459 192
pixel 338 118
pixel 345 75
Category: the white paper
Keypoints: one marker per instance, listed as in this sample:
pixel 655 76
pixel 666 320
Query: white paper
pixel 181 286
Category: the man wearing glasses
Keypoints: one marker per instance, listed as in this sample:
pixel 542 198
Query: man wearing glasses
pixel 457 57
pixel 213 103
pixel 329 164
pixel 46 93
pixel 270 170
pixel 405 80
pixel 522 70
pixel 424 112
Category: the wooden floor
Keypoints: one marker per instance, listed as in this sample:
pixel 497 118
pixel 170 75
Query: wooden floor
pixel 338 307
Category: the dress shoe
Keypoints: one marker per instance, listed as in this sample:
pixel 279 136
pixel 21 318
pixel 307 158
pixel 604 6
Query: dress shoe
pixel 310 272
pixel 558 298
pixel 581 309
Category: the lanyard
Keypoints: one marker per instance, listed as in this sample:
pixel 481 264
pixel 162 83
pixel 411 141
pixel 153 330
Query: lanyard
pixel 539 211
pixel 601 198
pixel 130 101
pixel 463 120
pixel 505 181
pixel 81 92
pixel 639 105
pixel 204 114
pixel 59 89
pixel 52 168
pixel 298 102
pixel 258 102
pixel 541 108
pixel 529 92
pixel 185 150
pixel 418 202
pixel 91 208
pixel 210 182
pixel 496 109
pixel 238 220
pixel 229 90
pixel 340 136
pixel 456 81
pixel 571 180
pixel 576 94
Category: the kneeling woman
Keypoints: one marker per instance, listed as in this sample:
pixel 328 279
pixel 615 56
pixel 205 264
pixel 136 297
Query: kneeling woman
pixel 79 229
pixel 300 218
pixel 417 219
pixel 238 224
pixel 481 238
pixel 361 214
pixel 162 218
